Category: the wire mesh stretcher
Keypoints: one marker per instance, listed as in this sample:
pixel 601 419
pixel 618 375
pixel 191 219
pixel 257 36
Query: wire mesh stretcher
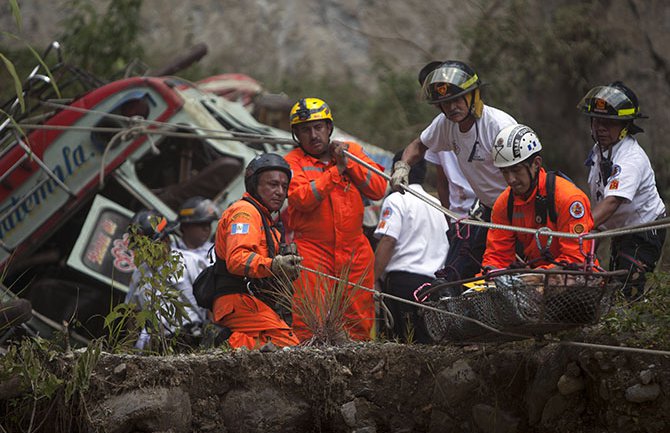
pixel 530 304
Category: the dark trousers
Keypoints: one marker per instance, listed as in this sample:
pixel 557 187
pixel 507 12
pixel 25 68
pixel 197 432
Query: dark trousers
pixel 406 321
pixel 639 253
pixel 466 249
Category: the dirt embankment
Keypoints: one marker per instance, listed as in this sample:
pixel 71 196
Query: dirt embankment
pixel 514 387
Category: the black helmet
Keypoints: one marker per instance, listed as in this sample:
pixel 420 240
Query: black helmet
pixel 152 224
pixel 449 81
pixel 197 210
pixel 261 163
pixel 614 101
pixel 427 69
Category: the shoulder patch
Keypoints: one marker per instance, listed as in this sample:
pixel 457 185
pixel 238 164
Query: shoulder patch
pixel 239 229
pixel 241 216
pixel 577 209
pixel 386 213
pixel 578 229
pixel 614 184
pixel 381 225
pixel 616 170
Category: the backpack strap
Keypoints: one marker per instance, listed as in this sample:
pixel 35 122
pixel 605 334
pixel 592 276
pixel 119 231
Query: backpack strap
pixel 551 196
pixel 510 206
pixel 267 226
pixel 225 282
pixel 544 206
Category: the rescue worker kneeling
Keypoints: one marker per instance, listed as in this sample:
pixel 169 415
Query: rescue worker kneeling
pixel 247 245
pixel 534 199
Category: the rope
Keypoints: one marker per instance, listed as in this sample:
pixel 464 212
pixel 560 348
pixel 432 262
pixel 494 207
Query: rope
pixel 220 135
pixel 139 127
pixel 542 231
pixel 259 138
pixel 490 328
pixel 416 304
pixel 123 135
pixel 616 348
pixel 233 134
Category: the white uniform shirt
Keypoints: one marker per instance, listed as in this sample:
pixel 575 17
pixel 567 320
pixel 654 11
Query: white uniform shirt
pixel 632 179
pixel 420 232
pixel 202 250
pixel 476 163
pixel 461 195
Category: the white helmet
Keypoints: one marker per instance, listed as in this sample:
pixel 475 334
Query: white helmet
pixel 514 144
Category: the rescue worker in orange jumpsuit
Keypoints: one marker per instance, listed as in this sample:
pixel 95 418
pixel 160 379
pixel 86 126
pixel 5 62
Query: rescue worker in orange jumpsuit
pixel 247 249
pixel 527 202
pixel 325 213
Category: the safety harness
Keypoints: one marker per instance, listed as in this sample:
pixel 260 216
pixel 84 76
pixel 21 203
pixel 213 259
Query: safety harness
pixel 224 277
pixel 217 280
pixel 545 207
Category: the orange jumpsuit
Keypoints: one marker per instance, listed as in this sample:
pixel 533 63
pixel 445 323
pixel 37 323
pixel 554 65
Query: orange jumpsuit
pixel 241 242
pixel 325 213
pixel 573 211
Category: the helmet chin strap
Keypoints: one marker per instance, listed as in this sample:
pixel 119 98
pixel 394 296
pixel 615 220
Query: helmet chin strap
pixel 623 133
pixel 533 181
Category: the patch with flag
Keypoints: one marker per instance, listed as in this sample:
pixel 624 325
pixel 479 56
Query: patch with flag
pixel 239 229
pixel 614 184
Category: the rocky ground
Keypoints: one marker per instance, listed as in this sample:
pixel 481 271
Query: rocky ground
pixel 384 387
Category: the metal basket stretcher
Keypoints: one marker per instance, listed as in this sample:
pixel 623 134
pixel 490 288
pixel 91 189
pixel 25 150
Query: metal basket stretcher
pixel 525 305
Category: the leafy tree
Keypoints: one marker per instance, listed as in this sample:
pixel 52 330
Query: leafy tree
pixel 102 43
pixel 538 62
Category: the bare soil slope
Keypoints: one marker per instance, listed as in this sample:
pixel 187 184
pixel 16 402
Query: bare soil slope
pixel 375 387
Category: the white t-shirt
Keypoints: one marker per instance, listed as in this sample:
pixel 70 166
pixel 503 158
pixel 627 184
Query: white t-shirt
pixel 476 162
pixel 202 250
pixel 420 232
pixel 461 195
pixel 632 179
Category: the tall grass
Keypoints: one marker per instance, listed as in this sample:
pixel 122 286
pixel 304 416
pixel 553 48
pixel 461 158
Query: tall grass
pixel 322 307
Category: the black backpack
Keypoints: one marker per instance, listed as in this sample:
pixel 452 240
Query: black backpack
pixel 215 280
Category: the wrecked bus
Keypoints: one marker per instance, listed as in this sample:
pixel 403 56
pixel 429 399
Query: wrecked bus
pixel 71 180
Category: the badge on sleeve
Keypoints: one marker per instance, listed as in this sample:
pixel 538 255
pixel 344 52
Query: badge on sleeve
pixel 386 213
pixel 381 225
pixel 239 229
pixel 614 184
pixel 578 229
pixel 577 209
pixel 616 170
pixel 241 216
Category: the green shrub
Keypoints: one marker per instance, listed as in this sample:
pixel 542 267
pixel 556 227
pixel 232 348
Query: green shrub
pixel 644 323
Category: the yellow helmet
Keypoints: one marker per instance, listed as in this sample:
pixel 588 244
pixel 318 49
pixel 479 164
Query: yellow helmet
pixel 308 109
